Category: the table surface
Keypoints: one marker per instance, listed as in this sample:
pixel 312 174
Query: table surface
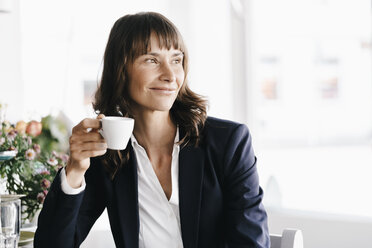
pixel 30 229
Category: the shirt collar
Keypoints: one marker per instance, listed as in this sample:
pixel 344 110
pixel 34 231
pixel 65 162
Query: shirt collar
pixel 176 139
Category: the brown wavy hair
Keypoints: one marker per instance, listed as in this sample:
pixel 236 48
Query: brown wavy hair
pixel 130 38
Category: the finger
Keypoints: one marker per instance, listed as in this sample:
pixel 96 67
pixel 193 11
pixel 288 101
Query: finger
pixel 99 117
pixel 87 146
pixel 88 137
pixel 83 126
pixel 87 154
pixel 90 154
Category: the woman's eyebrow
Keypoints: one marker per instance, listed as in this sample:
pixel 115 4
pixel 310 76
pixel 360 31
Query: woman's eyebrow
pixel 176 54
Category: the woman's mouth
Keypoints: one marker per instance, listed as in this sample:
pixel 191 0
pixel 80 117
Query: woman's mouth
pixel 163 90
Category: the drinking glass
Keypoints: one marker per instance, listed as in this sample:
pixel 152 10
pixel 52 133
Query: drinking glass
pixel 10 221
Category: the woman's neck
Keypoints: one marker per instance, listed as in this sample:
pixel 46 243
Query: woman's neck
pixel 155 130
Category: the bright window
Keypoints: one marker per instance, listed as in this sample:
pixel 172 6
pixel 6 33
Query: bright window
pixel 312 74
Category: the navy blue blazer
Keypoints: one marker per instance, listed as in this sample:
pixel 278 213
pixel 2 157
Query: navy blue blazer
pixel 220 199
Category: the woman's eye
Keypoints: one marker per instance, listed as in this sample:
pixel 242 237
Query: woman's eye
pixel 151 60
pixel 177 61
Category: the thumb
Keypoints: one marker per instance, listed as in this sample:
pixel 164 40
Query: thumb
pixel 100 116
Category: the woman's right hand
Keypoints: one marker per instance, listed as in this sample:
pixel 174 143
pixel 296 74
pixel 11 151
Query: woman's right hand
pixel 84 144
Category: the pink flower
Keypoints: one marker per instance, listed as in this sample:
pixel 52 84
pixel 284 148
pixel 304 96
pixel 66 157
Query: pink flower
pixel 55 154
pixel 64 158
pixel 45 183
pixel 2 141
pixel 45 172
pixel 52 161
pixel 29 141
pixel 37 148
pixel 11 135
pixel 58 167
pixel 30 154
pixel 40 197
pixel 34 128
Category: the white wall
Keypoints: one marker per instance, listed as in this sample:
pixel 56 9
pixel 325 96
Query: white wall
pixel 11 85
pixel 62 45
pixel 208 36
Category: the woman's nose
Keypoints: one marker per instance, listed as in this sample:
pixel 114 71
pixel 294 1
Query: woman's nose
pixel 167 73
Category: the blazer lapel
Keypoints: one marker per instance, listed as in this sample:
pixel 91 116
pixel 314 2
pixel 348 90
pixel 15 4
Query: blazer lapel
pixel 191 167
pixel 126 187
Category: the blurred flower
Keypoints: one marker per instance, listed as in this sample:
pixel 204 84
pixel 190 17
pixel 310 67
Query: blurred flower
pixel 64 158
pixel 52 161
pixel 39 168
pixel 36 147
pixel 45 172
pixel 11 135
pixel 45 183
pixel 34 167
pixel 12 148
pixel 7 126
pixel 30 154
pixel 21 127
pixel 34 128
pixel 40 197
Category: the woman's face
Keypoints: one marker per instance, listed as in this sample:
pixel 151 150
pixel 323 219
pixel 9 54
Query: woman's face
pixel 155 78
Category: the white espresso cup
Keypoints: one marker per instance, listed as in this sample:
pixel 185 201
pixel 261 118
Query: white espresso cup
pixel 116 131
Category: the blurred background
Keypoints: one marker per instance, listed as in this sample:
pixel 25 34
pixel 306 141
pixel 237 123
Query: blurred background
pixel 297 72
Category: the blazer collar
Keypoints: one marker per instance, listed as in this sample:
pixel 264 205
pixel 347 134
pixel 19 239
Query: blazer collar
pixel 126 190
pixel 191 168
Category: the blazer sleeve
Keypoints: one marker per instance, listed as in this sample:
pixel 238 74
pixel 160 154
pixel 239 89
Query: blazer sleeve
pixel 245 216
pixel 65 220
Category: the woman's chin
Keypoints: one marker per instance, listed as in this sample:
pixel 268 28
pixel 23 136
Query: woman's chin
pixel 155 108
pixel 162 106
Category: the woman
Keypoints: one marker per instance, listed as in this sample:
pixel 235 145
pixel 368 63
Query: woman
pixel 184 180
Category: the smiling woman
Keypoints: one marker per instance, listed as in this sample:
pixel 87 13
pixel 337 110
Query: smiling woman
pixel 156 77
pixel 184 180
pixel 152 49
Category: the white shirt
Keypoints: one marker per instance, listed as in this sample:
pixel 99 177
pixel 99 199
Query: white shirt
pixel 159 218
